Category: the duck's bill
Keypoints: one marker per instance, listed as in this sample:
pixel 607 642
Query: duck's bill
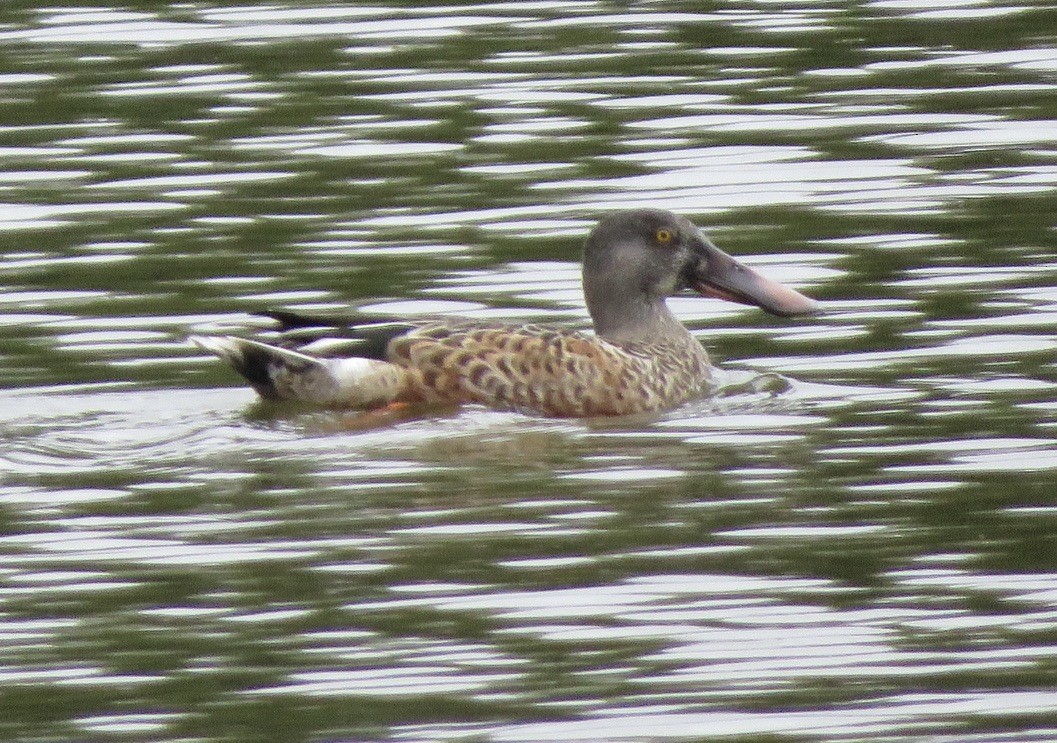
pixel 719 275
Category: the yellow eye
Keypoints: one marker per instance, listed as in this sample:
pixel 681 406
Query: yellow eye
pixel 663 236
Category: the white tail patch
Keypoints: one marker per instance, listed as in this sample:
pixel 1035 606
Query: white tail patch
pixel 228 347
pixel 223 346
pixel 284 374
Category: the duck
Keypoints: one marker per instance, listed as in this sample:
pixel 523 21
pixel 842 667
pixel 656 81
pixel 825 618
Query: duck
pixel 639 358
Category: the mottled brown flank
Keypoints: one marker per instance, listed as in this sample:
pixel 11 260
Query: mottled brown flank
pixel 527 367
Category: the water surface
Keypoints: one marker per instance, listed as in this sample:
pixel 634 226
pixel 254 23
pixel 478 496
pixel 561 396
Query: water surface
pixel 854 540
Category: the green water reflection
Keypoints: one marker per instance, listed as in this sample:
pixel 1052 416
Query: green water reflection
pixel 854 541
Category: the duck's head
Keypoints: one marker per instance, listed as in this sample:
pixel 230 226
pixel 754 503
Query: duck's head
pixel 634 260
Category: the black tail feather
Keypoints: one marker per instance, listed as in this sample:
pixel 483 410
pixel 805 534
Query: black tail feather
pixel 290 320
pixel 253 365
pixel 371 334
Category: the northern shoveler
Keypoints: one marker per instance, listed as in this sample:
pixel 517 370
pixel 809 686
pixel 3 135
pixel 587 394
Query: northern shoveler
pixel 639 359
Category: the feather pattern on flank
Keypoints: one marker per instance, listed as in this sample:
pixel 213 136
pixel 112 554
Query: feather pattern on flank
pixel 554 372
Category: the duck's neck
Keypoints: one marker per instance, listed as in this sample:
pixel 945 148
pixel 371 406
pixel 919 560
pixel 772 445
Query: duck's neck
pixel 626 320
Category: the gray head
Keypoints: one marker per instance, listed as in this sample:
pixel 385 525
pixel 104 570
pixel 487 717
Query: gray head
pixel 634 260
